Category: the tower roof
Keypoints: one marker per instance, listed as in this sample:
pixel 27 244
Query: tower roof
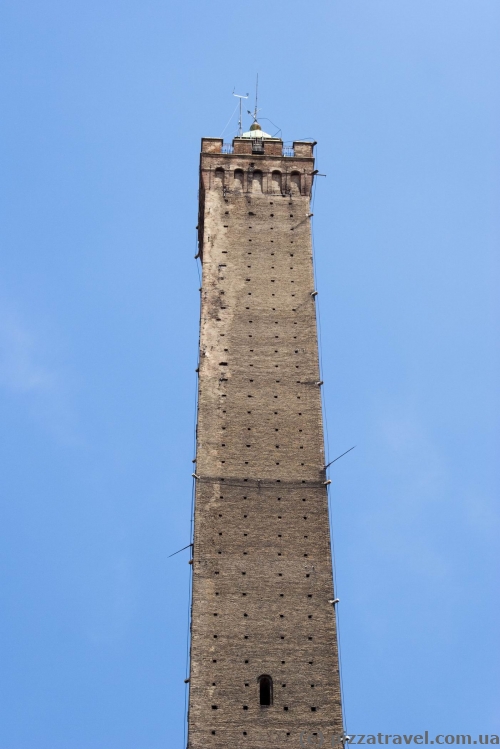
pixel 255 132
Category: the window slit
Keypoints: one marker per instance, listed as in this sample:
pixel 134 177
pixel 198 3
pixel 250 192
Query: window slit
pixel 265 690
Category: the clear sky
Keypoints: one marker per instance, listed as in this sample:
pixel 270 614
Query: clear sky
pixel 103 107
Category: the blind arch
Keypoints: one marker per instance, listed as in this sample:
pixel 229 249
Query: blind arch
pixel 295 183
pixel 257 181
pixel 238 179
pixel 219 177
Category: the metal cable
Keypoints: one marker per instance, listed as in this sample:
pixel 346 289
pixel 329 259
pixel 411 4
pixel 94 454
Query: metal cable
pixel 325 421
pixel 229 120
pixel 190 587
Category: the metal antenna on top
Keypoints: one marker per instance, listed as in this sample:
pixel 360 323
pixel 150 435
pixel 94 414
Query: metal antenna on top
pixel 240 97
pixel 256 96
pixel 256 110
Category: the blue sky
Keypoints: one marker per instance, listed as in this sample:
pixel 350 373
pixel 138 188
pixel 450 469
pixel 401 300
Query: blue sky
pixel 103 107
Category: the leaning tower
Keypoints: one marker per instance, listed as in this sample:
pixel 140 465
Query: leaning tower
pixel 264 659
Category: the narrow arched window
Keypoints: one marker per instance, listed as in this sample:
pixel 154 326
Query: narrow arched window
pixel 238 179
pixel 219 177
pixel 295 183
pixel 265 690
pixel 276 182
pixel 257 181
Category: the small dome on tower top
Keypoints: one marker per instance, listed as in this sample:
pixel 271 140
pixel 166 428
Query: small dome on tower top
pixel 255 132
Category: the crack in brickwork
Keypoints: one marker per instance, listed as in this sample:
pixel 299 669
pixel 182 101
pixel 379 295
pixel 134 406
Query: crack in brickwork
pixel 262 572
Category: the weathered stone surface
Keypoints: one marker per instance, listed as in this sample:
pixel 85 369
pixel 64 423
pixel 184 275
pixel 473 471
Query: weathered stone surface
pixel 262 573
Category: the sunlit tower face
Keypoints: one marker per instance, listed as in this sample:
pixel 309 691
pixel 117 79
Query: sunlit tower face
pixel 264 662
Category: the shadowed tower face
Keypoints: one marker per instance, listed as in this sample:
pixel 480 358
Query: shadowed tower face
pixel 264 661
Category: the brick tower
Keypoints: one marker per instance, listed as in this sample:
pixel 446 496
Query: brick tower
pixel 264 660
